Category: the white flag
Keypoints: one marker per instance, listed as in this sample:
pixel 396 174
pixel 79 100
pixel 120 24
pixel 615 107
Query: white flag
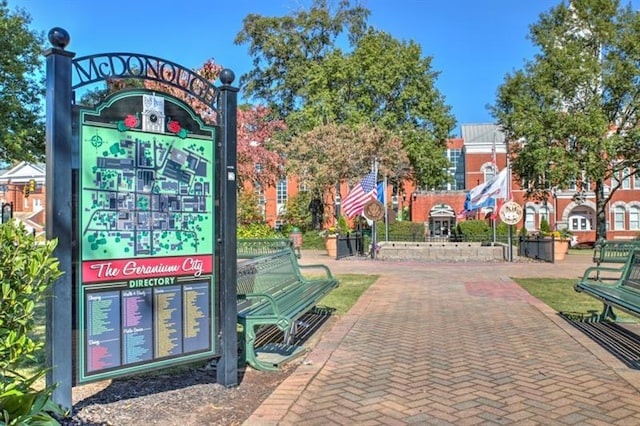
pixel 483 195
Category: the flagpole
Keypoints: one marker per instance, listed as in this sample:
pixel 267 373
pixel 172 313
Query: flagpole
pixel 510 240
pixel 386 209
pixel 374 237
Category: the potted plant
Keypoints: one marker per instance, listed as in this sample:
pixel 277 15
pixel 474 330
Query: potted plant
pixel 330 236
pixel 560 243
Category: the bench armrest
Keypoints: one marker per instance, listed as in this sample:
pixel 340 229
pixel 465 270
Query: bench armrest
pixel 326 269
pixel 597 270
pixel 269 298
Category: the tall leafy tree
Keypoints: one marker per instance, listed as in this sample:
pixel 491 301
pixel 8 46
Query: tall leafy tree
pixel 332 153
pixel 383 83
pixel 377 83
pixel 21 90
pixel 571 113
pixel 284 47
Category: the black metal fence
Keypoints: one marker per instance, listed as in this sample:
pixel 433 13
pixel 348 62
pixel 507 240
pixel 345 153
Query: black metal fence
pixel 537 248
pixel 351 244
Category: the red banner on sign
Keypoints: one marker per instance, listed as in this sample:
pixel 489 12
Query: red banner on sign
pixel 126 269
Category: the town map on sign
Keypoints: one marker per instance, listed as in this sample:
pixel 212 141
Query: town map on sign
pixel 145 194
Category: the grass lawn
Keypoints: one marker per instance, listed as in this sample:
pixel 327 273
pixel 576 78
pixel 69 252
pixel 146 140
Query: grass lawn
pixel 559 294
pixel 350 289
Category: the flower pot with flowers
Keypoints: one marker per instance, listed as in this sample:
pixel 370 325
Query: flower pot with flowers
pixel 561 240
pixel 330 236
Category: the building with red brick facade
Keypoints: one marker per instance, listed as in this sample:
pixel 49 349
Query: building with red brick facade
pixel 23 187
pixel 475 157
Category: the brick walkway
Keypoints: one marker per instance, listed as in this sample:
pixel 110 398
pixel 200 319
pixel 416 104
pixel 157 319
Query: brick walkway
pixel 459 344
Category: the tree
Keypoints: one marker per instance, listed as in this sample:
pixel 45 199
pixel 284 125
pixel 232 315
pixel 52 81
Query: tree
pixel 284 47
pixel 321 91
pixel 332 153
pixel 571 113
pixel 257 162
pixel 21 91
pixel 383 83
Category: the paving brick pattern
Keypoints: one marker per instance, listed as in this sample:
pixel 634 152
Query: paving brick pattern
pixel 453 344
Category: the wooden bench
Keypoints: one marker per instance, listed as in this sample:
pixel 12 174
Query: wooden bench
pixel 623 292
pixel 249 248
pixel 272 291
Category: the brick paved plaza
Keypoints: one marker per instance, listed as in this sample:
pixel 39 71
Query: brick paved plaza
pixel 454 344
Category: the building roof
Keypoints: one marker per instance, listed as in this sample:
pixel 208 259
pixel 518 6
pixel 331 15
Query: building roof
pixel 482 137
pixel 23 172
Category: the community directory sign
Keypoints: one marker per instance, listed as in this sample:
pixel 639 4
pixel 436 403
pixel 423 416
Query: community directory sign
pixel 146 294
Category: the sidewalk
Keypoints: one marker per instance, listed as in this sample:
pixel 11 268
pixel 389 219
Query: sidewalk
pixel 453 343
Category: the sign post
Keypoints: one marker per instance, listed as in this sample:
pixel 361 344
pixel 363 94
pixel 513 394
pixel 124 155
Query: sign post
pixel 511 214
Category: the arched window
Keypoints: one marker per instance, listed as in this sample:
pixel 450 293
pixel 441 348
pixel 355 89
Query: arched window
pixel 634 218
pixel 489 172
pixel 530 219
pixel 580 220
pixel 618 218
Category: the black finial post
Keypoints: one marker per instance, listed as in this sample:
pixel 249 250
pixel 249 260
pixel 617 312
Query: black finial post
pixel 59 213
pixel 227 367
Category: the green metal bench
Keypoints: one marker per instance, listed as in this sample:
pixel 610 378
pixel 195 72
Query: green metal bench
pixel 622 293
pixel 272 291
pixel 249 248
pixel 611 251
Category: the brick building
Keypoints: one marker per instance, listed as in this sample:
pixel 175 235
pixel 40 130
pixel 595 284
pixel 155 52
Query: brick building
pixel 23 186
pixel 475 157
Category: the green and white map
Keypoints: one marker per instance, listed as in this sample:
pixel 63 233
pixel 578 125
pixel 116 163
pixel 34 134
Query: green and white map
pixel 145 194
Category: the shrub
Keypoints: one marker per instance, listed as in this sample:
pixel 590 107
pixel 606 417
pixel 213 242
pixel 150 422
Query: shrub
pixel 27 271
pixel 403 230
pixel 256 230
pixel 545 229
pixel 474 230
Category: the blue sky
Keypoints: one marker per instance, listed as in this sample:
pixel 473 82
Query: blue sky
pixel 473 43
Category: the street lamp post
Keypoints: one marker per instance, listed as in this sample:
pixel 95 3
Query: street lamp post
pixel 554 193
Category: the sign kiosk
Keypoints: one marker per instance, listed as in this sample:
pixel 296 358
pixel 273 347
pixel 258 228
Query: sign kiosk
pixel 141 195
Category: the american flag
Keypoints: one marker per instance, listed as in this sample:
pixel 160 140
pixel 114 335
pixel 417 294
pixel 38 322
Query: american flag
pixel 354 202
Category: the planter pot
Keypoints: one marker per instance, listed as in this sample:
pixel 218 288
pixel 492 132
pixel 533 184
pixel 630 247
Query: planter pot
pixel 560 249
pixel 331 244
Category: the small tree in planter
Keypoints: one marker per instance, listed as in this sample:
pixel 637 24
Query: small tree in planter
pixel 545 229
pixel 27 271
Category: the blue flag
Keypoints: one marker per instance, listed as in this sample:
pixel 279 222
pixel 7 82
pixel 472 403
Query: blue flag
pixel 381 193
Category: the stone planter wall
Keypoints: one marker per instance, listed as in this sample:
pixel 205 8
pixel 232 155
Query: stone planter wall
pixel 442 252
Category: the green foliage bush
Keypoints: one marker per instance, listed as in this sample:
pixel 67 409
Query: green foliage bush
pixel 297 212
pixel 256 230
pixel 474 230
pixel 545 229
pixel 312 240
pixel 248 211
pixel 413 230
pixel 27 271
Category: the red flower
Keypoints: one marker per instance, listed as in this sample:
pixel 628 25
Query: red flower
pixel 131 121
pixel 174 127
